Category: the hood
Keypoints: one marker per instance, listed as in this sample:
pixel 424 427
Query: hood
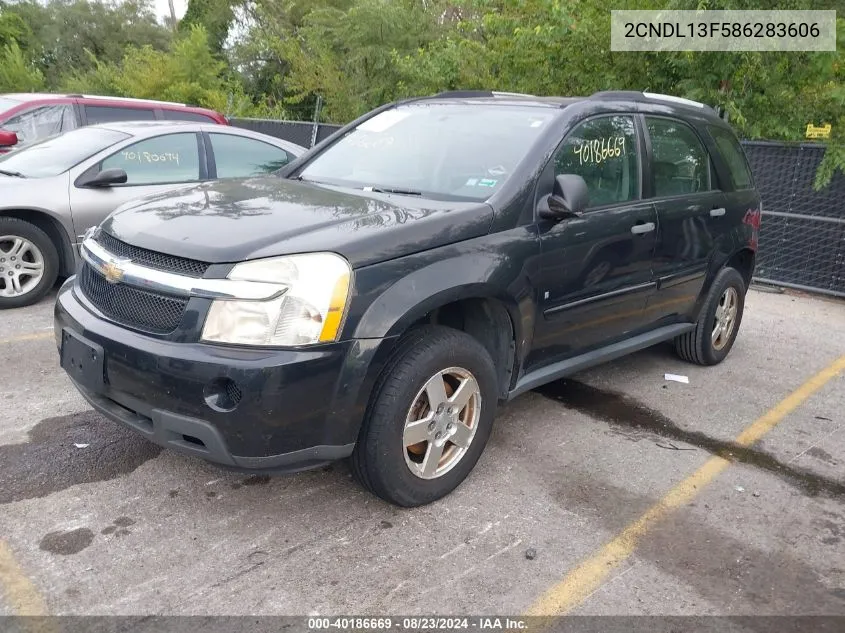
pixel 237 220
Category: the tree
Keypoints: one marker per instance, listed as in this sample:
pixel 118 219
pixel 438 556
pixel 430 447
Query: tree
pixel 347 55
pixel 282 55
pixel 66 32
pixel 16 72
pixel 13 28
pixel 214 15
pixel 187 73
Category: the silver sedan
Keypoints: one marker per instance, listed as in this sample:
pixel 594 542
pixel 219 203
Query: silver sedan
pixel 53 191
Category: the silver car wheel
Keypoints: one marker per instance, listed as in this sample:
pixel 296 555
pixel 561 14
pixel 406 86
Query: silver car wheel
pixel 725 318
pixel 441 422
pixel 21 266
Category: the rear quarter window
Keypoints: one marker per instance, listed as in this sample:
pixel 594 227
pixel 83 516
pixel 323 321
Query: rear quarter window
pixel 734 157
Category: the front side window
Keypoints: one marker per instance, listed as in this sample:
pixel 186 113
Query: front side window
pixel 603 151
pixel 165 159
pixel 111 114
pixel 239 156
pixel 437 150
pixel 732 152
pixel 55 155
pixel 680 164
pixel 39 123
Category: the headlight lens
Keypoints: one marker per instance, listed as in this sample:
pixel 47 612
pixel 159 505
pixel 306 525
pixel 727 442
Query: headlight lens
pixel 310 310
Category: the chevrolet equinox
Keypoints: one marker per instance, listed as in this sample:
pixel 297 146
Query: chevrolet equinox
pixel 380 296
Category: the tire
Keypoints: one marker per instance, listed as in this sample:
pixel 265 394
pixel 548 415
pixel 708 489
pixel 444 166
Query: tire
pixel 39 248
pixel 381 460
pixel 698 346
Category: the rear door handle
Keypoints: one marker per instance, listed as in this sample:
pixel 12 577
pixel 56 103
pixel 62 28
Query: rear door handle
pixel 645 227
pixel 715 213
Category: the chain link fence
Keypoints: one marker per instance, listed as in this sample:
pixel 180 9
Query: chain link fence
pixel 802 235
pixel 299 132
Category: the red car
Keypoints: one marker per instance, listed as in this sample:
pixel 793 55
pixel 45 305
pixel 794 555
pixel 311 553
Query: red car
pixel 25 118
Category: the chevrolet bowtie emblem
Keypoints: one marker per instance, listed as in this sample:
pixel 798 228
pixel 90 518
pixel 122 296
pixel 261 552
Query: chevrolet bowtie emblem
pixel 113 270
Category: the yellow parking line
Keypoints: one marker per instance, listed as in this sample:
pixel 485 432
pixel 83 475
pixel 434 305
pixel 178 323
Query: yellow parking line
pixel 19 592
pixel 28 337
pixel 585 579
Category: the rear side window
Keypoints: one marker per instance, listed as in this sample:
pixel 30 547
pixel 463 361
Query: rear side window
pixel 238 156
pixel 680 164
pixel 110 114
pixel 731 151
pixel 183 115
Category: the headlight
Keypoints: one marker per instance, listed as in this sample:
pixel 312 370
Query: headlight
pixel 309 310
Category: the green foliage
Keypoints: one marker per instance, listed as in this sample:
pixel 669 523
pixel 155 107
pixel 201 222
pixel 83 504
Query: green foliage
pixel 16 72
pixel 214 15
pixel 187 73
pixel 13 28
pixel 275 58
pixel 64 32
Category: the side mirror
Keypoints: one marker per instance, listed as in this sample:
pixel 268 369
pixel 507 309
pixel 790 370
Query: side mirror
pixel 569 198
pixel 105 178
pixel 7 138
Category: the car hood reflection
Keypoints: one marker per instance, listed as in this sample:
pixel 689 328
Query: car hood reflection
pixel 236 220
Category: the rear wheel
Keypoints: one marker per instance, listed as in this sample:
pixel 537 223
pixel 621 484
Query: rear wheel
pixel 29 263
pixel 430 416
pixel 718 323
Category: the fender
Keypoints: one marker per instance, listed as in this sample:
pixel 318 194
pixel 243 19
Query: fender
pixel 498 266
pixel 728 245
pixel 56 228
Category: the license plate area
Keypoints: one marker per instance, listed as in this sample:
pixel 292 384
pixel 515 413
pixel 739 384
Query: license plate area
pixel 83 360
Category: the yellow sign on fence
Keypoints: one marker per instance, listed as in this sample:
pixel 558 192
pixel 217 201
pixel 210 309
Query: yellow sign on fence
pixel 823 131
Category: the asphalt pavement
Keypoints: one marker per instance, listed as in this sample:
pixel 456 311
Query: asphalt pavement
pixel 614 492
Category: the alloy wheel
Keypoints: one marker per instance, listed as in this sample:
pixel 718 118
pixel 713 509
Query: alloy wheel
pixel 441 422
pixel 725 318
pixel 21 266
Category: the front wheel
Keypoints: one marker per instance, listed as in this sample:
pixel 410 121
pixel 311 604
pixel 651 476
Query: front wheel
pixel 430 416
pixel 29 263
pixel 718 324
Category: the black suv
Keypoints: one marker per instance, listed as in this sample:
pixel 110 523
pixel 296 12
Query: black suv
pixel 384 293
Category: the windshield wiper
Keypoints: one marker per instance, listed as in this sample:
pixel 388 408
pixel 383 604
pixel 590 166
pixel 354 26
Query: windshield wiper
pixel 14 174
pixel 396 190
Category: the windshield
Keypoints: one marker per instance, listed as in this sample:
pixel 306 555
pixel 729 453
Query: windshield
pixel 56 155
pixel 7 104
pixel 434 150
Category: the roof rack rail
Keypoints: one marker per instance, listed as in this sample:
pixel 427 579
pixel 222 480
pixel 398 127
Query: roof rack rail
pixel 470 94
pixel 466 94
pixel 511 94
pixel 125 99
pixel 646 96
pixel 673 99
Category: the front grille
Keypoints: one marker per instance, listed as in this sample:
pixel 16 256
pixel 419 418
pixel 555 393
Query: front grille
pixel 130 306
pixel 152 259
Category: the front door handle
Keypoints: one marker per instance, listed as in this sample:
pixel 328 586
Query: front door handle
pixel 715 213
pixel 645 227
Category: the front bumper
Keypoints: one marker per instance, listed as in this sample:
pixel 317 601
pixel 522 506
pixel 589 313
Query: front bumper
pixel 293 410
